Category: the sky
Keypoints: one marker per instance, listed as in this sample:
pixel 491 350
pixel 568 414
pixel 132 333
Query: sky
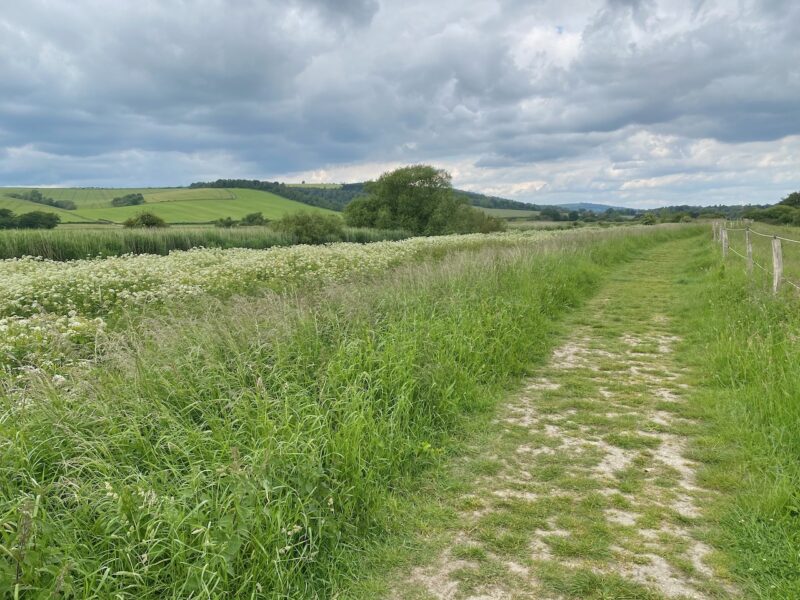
pixel 636 103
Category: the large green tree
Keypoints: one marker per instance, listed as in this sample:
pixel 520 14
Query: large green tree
pixel 419 199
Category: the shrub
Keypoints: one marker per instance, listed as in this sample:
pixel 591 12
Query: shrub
pixel 550 213
pixel 227 223
pixel 649 219
pixel 37 219
pixel 7 219
pixel 310 228
pixel 128 200
pixel 145 220
pixel 255 218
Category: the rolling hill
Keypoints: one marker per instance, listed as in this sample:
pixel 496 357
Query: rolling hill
pixel 174 205
pixel 23 206
pixel 591 206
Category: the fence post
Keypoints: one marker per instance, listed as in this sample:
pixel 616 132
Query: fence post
pixel 749 251
pixel 777 265
pixel 724 243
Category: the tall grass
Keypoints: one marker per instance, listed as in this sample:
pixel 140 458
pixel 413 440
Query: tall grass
pixel 745 342
pixel 250 449
pixel 75 243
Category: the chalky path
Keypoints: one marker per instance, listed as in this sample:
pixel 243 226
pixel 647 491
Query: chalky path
pixel 588 489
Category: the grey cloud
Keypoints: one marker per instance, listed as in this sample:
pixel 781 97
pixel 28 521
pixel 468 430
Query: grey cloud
pixel 92 89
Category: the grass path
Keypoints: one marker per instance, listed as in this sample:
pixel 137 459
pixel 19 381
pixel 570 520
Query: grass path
pixel 585 487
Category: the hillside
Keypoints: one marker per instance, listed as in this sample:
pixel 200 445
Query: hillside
pixel 174 205
pixel 337 196
pixel 23 206
pixel 591 206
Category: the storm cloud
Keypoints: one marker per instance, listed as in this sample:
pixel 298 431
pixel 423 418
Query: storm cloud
pixel 630 102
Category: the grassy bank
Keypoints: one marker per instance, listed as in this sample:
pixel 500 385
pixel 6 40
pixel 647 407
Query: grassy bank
pixel 745 343
pixel 251 448
pixel 75 243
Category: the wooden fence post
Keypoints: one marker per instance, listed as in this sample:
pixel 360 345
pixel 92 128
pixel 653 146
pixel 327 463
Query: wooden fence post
pixel 777 265
pixel 749 251
pixel 724 243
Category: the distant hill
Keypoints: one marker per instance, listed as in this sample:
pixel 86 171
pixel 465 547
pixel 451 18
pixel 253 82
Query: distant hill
pixel 174 205
pixel 590 206
pixel 484 201
pixel 337 196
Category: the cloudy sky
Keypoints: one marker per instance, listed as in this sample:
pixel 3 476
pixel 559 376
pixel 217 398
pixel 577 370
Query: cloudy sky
pixel 627 102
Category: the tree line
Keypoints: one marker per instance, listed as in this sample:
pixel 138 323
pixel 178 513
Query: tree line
pixel 36 219
pixel 785 212
pixel 330 198
pixel 338 198
pixel 37 197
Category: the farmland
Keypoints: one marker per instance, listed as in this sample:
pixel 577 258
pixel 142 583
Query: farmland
pixel 189 502
pixel 174 205
pixel 279 423
pixel 510 213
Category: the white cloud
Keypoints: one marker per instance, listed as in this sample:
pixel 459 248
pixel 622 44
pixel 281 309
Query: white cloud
pixel 626 101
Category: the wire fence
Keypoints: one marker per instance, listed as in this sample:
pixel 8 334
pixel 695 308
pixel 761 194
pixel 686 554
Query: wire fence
pixel 727 234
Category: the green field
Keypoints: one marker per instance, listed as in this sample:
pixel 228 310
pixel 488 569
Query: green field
pixel 23 206
pixel 510 213
pixel 319 186
pixel 100 197
pixel 174 205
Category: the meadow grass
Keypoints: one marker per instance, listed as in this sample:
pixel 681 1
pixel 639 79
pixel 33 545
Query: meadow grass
pixel 762 248
pixel 253 448
pixel 69 243
pixel 744 343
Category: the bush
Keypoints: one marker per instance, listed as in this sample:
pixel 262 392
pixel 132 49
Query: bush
pixel 37 219
pixel 550 213
pixel 128 200
pixel 463 218
pixel 649 219
pixel 145 220
pixel 311 228
pixel 255 218
pixel 227 223
pixel 7 219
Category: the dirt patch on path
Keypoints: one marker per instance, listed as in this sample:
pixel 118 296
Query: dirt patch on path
pixel 591 493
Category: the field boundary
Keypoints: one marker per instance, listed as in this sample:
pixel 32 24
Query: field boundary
pixel 720 233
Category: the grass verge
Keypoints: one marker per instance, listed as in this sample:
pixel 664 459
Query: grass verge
pixel 744 343
pixel 256 448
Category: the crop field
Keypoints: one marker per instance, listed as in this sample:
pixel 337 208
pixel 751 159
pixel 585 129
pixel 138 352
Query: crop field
pixel 174 205
pixel 589 413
